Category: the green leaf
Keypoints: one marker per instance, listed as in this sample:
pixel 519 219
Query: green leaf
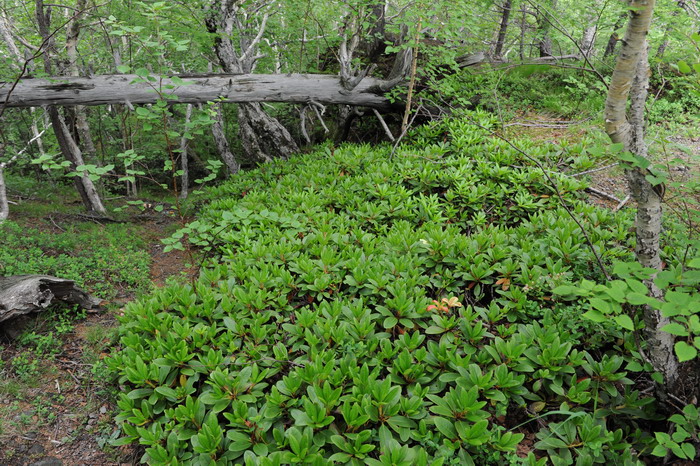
pixel 123 68
pixel 595 316
pixel 659 450
pixel 683 67
pixel 684 351
pixel 142 72
pixel 445 427
pixel 675 329
pixel 625 322
pixel 566 290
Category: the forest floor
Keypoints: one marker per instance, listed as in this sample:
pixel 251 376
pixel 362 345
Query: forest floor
pixel 61 413
pixel 64 416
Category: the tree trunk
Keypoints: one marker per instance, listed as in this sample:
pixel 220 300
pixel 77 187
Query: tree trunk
pixel 184 143
pixel 24 294
pixel 587 44
pixel 235 88
pixel 4 204
pixel 503 28
pixel 81 123
pixel 262 136
pixel 374 46
pixel 222 144
pixel 544 40
pixel 630 80
pixel 523 28
pixel 71 152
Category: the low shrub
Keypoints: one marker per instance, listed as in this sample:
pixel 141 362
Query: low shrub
pixel 363 309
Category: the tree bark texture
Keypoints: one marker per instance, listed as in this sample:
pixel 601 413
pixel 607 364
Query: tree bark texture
pixel 184 163
pixel 118 89
pixel 222 144
pixel 4 204
pixel 630 81
pixel 262 136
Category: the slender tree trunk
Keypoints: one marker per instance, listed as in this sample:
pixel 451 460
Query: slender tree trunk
pixel 71 152
pixel 523 29
pixel 222 144
pixel 503 28
pixel 184 143
pixel 375 43
pixel 630 81
pixel 6 34
pixel 590 31
pixel 544 39
pixel 4 204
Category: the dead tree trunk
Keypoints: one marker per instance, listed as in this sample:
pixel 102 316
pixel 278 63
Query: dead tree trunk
pixel 184 165
pixel 262 136
pixel 234 88
pixel 222 144
pixel 24 294
pixel 81 123
pixel 71 152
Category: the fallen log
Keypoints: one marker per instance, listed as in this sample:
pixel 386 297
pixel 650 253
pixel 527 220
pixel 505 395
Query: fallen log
pixel 236 88
pixel 24 294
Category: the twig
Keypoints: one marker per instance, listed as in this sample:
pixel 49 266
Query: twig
pixel 596 169
pixel 622 203
pixel 319 114
pixel 302 122
pixel 600 193
pixel 56 225
pixel 384 125
pixel 404 131
pixel 411 83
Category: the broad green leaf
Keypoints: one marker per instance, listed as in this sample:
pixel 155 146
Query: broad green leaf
pixel 675 329
pixel 684 351
pixel 624 321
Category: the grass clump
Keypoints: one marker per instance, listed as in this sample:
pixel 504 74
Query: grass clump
pixel 362 309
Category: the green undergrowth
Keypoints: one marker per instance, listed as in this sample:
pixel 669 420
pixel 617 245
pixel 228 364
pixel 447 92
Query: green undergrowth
pixel 106 259
pixel 360 308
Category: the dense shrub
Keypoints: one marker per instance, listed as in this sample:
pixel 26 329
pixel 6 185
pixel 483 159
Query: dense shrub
pixel 362 309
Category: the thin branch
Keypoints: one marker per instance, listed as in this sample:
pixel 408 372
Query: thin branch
pixel 384 125
pixel 596 169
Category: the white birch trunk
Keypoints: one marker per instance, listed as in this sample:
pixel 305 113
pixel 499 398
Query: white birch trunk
pixel 630 81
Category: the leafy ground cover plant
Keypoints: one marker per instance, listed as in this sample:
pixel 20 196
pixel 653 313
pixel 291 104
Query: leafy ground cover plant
pixel 360 308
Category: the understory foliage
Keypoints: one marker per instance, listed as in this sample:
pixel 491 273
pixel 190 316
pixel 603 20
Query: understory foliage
pixel 96 257
pixel 361 308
